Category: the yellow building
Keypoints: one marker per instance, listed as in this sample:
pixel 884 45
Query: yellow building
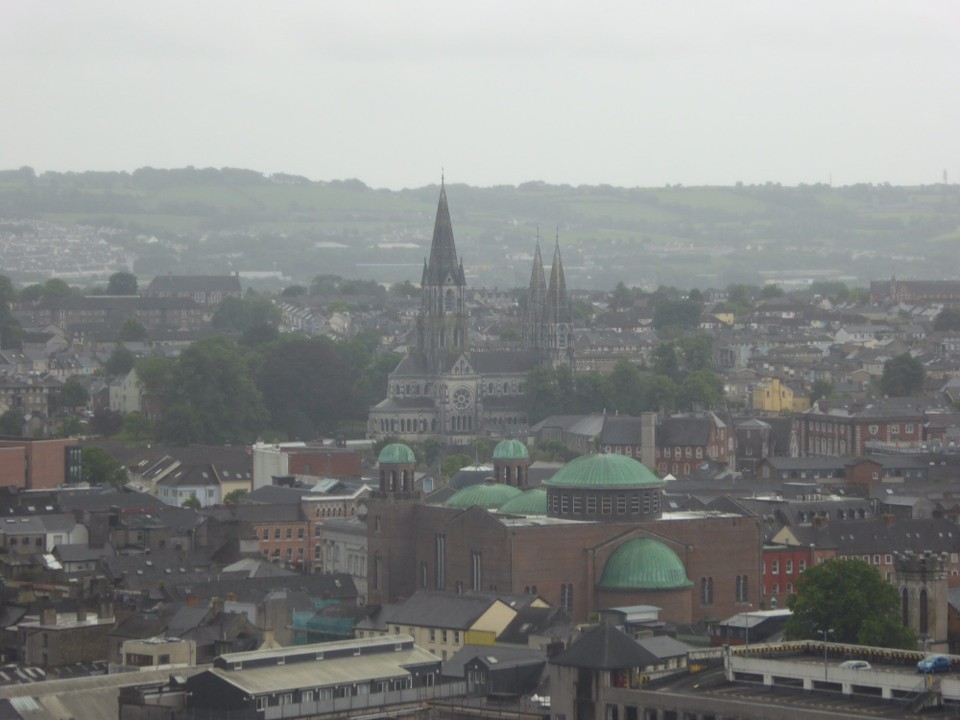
pixel 772 396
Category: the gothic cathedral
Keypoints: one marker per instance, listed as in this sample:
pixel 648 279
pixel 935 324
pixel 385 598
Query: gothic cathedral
pixel 441 389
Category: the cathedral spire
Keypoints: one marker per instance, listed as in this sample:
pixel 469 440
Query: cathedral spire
pixel 558 308
pixel 536 299
pixel 443 250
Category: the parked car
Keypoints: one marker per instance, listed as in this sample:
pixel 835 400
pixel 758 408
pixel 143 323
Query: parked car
pixel 934 664
pixel 855 665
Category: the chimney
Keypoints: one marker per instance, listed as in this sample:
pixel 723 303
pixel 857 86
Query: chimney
pixel 105 612
pixel 820 520
pixel 81 614
pixel 48 616
pixel 217 605
pixel 888 519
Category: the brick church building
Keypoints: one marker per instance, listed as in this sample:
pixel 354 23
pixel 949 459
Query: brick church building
pixel 594 535
pixel 442 389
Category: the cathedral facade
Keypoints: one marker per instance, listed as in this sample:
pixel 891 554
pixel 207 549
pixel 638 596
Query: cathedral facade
pixel 441 389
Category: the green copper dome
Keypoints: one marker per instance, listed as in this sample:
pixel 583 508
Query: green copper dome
pixel 531 502
pixel 510 450
pixel 608 470
pixel 487 495
pixel 397 454
pixel 644 564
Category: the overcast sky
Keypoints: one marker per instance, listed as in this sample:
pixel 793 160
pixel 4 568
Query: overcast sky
pixel 632 93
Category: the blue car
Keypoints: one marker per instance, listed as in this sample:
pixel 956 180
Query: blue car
pixel 934 664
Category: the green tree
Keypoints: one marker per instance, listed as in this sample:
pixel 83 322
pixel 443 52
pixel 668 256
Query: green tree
pixel 8 292
pixel 120 362
pixel 902 376
pixel 849 597
pixel 55 287
pixel 132 330
pixel 405 289
pixel 820 390
pixel 542 397
pixel 31 293
pixel 73 394
pixel 665 361
pixel 102 468
pixel 770 291
pixel 154 373
pixel 11 423
pixel 293 291
pixel 234 496
pixel 697 351
pixel 70 426
pixel 677 315
pixel 626 388
pixel 947 320
pixel 122 283
pixel 192 502
pixel 702 389
pixel 239 314
pixel 211 397
pixel 137 428
pixel 661 394
pixel 306 387
pixel 622 297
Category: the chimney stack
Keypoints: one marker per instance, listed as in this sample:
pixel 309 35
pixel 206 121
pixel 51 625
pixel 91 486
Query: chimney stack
pixel 48 616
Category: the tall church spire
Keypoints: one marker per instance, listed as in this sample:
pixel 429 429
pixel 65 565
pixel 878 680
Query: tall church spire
pixel 536 301
pixel 557 320
pixel 443 250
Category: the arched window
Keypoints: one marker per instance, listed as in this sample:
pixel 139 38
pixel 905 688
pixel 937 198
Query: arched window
pixel 449 300
pixel 905 606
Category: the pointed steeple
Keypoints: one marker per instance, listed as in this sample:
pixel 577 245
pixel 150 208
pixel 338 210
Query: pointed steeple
pixel 443 250
pixel 536 300
pixel 558 308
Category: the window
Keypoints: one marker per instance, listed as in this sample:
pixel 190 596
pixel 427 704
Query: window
pixel 876 559
pixel 606 505
pixel 789 567
pixel 300 533
pixel 803 565
pixel 699 453
pixel 621 504
pixel 706 591
pixel 591 504
pixel 566 597
pixel 276 534
pixel 742 589
pixel 577 505
pixel 775 570
pixel 289 533
pixel 775 589
pixel 564 504
pixel 476 570
pixel 440 545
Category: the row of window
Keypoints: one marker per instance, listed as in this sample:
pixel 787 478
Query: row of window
pixel 374 687
pixel 787 566
pixel 277 533
pixel 563 504
pixel 741 595
pixel 679 453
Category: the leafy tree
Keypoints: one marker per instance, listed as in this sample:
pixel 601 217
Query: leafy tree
pixel 122 283
pixel 820 390
pixel 106 422
pixel 240 314
pixel 10 330
pixel 902 376
pixel 542 397
pixel 132 330
pixel 259 335
pixel 73 394
pixel 154 373
pixel 192 503
pixel 851 598
pixel 11 423
pixel 697 351
pixel 660 394
pixel 592 393
pixel 701 389
pixel 70 426
pixel 452 463
pixel 55 287
pixel 405 289
pixel 31 293
pixel 306 387
pixel 211 397
pixel 665 360
pixel 770 291
pixel 99 467
pixel 8 293
pixel 120 362
pixel 293 291
pixel 682 315
pixel 622 297
pixel 947 320
pixel 137 428
pixel 234 496
pixel 626 388
pixel 553 449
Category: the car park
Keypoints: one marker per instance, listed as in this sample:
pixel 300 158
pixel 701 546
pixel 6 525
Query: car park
pixel 855 665
pixel 934 664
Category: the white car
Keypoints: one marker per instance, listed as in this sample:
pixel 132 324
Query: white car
pixel 855 665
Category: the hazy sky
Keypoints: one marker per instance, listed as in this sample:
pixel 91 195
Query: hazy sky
pixel 632 93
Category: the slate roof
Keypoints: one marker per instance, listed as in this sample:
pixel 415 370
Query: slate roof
pixel 623 430
pixel 492 363
pixel 499 655
pixel 193 283
pixel 685 431
pixel 869 537
pixel 605 648
pixel 450 610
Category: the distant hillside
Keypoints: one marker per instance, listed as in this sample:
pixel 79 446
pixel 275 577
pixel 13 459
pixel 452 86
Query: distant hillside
pixel 209 220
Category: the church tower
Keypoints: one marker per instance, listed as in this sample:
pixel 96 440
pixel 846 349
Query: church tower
pixel 558 327
pixel 533 328
pixel 442 324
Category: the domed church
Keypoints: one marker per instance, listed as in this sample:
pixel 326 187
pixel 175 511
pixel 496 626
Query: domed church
pixel 443 390
pixel 594 535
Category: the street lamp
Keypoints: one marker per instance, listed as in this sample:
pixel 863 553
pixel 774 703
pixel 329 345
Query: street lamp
pixel 825 633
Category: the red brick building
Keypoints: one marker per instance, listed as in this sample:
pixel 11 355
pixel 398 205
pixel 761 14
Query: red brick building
pixel 782 565
pixel 684 442
pixel 596 537
pixel 33 464
pixel 838 432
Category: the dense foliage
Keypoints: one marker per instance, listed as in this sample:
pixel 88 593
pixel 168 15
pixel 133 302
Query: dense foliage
pixel 902 376
pixel 850 599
